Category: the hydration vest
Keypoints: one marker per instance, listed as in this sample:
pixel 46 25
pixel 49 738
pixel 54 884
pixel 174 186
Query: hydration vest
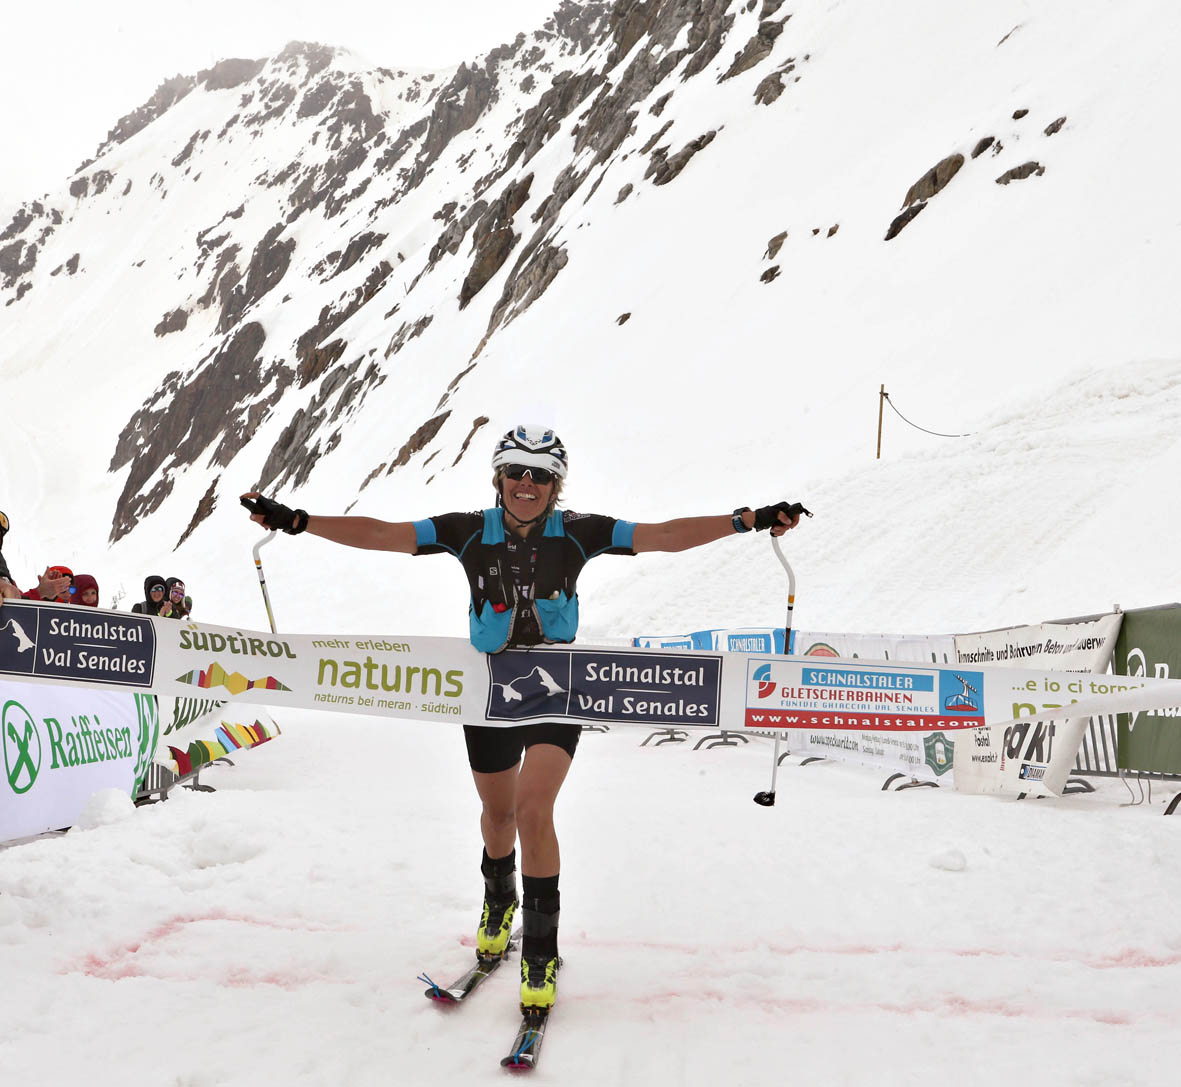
pixel 494 608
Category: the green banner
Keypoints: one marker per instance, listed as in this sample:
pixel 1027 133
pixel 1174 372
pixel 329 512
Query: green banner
pixel 1150 645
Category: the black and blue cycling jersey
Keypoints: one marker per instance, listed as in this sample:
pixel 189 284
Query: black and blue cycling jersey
pixel 512 605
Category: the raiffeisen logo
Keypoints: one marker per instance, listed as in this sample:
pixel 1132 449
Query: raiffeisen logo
pixel 762 675
pixel 22 747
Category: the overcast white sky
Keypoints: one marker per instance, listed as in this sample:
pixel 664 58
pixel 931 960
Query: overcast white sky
pixel 72 69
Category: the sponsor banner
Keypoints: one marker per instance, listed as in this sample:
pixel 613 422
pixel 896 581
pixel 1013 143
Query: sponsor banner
pixel 902 752
pixel 1037 744
pixel 428 679
pixel 739 640
pixel 1066 647
pixel 604 685
pixel 219 733
pixel 64 642
pixel 1150 645
pixel 749 640
pixel 178 713
pixel 794 693
pixel 394 676
pixel 925 648
pixel 671 641
pixel 61 744
pixel 1029 749
pixel 1023 756
pixel 699 639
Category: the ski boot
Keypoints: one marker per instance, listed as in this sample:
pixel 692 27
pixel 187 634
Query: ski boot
pixel 496 926
pixel 539 984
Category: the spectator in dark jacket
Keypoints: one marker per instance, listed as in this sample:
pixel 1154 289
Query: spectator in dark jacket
pixel 154 596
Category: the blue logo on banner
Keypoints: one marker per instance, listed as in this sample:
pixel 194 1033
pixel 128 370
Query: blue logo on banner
pixel 663 643
pixel 867 679
pixel 63 641
pixel 752 641
pixel 604 685
pixel 961 692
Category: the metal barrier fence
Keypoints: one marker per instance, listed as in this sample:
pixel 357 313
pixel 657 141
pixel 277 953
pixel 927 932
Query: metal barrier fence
pixel 1097 752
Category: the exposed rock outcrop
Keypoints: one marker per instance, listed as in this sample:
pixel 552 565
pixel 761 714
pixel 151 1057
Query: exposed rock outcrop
pixel 900 221
pixel 419 440
pixel 662 170
pixel 268 265
pixel 934 180
pixel 756 50
pixel 1020 173
pixel 218 402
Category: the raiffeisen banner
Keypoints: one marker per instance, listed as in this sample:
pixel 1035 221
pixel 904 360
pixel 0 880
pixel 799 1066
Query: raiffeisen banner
pixel 446 681
pixel 61 744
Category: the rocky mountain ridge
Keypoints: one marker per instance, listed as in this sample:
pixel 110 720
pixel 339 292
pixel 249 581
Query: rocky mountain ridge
pixel 312 220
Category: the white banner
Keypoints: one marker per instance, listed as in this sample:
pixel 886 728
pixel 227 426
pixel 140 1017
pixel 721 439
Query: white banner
pixel 925 648
pixel 447 681
pixel 924 756
pixel 62 744
pixel 1024 756
pixel 1086 646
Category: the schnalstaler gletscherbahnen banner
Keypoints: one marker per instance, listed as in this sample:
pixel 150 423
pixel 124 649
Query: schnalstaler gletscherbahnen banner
pixel 444 681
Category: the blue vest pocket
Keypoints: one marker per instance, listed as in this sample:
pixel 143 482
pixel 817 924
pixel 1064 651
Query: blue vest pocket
pixel 489 630
pixel 559 618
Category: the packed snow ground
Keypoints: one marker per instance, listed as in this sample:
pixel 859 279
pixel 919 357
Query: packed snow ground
pixel 272 931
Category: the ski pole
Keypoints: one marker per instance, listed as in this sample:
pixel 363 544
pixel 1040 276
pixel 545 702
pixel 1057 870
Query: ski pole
pixel 767 799
pixel 262 581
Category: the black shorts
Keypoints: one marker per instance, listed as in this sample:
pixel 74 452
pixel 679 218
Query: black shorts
pixel 491 750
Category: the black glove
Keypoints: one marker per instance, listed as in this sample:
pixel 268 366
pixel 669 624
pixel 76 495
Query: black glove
pixel 275 515
pixel 768 516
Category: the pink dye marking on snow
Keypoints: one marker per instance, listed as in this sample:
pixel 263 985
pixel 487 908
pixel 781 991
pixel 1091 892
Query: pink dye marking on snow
pixel 116 967
pixel 949 1004
pixel 1129 958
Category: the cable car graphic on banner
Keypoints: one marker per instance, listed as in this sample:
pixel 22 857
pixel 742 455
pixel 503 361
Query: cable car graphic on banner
pixel 965 700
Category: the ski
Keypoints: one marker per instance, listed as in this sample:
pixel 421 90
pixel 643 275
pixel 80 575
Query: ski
pixel 463 987
pixel 526 1051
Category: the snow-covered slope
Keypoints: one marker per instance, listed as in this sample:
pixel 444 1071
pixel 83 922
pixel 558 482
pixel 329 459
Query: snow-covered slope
pixel 329 280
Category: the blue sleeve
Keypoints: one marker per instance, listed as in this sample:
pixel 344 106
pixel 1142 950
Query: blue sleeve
pixel 424 533
pixel 622 535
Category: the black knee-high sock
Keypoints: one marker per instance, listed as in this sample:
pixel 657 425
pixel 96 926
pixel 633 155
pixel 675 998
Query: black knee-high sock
pixel 500 879
pixel 540 904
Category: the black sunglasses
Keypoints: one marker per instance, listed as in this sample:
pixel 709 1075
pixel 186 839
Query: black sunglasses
pixel 538 475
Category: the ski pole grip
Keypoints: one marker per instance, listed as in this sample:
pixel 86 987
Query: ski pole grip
pixel 255 549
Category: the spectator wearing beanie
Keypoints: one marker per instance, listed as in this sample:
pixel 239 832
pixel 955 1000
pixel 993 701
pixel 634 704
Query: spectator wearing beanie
pixel 177 606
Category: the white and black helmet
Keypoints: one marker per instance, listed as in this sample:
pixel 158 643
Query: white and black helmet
pixel 534 446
